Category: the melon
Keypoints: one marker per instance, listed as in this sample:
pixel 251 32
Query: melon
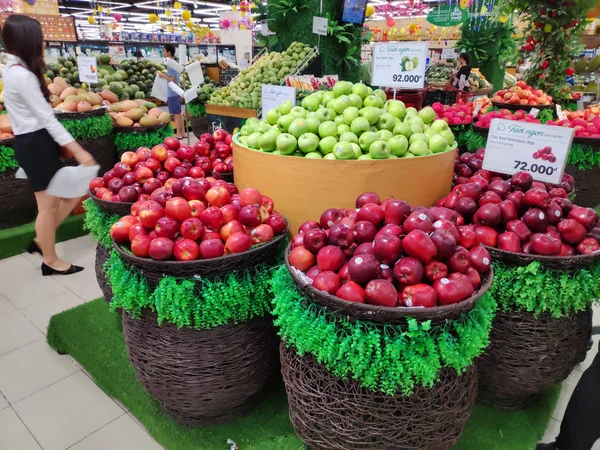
pixel 104 59
pixel 110 96
pixel 134 114
pixel 67 106
pixel 165 117
pixel 124 121
pixel 83 106
pixel 68 92
pixel 129 104
pixel 149 121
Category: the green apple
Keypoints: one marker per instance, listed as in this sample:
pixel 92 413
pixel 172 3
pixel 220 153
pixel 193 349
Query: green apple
pixel 313 123
pixel 343 150
pixel 439 125
pixel 285 107
pixel 437 144
pixel 373 100
pixel 448 135
pixel 398 145
pixel 402 128
pixel 396 108
pixel 272 116
pixel 359 126
pixel 419 148
pixel 343 128
pixel 247 130
pixel 387 122
pixel 415 120
pixel 328 128
pixel 252 141
pixel 327 97
pixel 342 88
pixel 350 114
pixel 298 112
pixel 427 114
pixel 284 123
pixel 324 114
pixel 267 142
pixel 309 142
pixel 355 100
pixel 381 94
pixel 262 127
pixel 341 104
pixel 416 128
pixel 286 143
pixel 410 111
pixel 330 104
pixel 313 155
pixel 348 136
pixel 356 149
pixel 408 155
pixel 384 135
pixel 275 152
pixel 374 129
pixel 366 139
pixel 298 154
pixel 243 140
pixel 338 120
pixel 363 157
pixel 251 121
pixel 297 128
pixel 326 145
pixel 371 114
pixel 379 150
pixel 417 137
pixel 360 89
pixel 329 156
pixel 312 102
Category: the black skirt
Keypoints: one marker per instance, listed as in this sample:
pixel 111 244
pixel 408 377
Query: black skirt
pixel 38 155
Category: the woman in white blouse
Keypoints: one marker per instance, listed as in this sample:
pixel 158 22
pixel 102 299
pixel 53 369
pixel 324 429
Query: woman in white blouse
pixel 38 134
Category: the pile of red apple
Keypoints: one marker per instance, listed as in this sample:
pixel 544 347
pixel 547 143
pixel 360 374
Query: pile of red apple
pixel 521 215
pixel 469 164
pixel 519 116
pixel 588 127
pixel 522 94
pixel 199 219
pixel 457 114
pixel 389 254
pixel 142 172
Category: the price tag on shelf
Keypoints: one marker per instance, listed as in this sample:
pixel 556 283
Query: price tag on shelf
pixel 477 109
pixel 88 69
pixel 540 150
pixel 560 113
pixel 273 96
pixel 449 53
pixel 534 112
pixel 399 64
pixel 320 25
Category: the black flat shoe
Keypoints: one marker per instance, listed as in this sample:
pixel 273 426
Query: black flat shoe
pixel 549 446
pixel 47 270
pixel 34 248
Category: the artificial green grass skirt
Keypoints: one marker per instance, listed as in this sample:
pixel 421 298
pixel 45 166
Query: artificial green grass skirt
pixel 91 334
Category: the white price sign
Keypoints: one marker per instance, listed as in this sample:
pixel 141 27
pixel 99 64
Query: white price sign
pixel 273 96
pixel 88 69
pixel 320 25
pixel 399 64
pixel 449 53
pixel 540 150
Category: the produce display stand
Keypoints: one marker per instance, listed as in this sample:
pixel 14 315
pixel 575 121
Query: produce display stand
pixel 197 117
pixel 305 187
pixel 334 403
pixel 583 164
pixel 516 107
pixel 17 201
pixel 92 130
pixel 227 117
pixel 542 327
pixel 131 138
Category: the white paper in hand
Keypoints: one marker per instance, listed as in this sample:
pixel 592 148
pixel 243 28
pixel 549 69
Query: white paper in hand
pixel 176 88
pixel 159 89
pixel 194 71
pixel 190 94
pixel 72 182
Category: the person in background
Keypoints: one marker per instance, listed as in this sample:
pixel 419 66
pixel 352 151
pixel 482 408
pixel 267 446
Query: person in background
pixel 464 68
pixel 365 72
pixel 173 99
pixel 138 55
pixel 38 135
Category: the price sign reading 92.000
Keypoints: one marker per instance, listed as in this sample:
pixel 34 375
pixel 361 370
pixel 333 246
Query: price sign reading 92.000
pixel 399 78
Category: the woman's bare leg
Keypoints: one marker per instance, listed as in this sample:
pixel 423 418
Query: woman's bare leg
pixel 45 228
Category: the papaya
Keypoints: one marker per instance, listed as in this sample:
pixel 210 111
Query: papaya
pixel 4 136
pixel 116 107
pixel 75 98
pixel 83 106
pixel 113 114
pixel 165 117
pixel 54 100
pixel 61 82
pixel 149 105
pixel 148 121
pixel 5 126
pixel 68 92
pixel 155 112
pixel 110 96
pixel 144 109
pixel 67 106
pixel 137 125
pixel 140 101
pixel 124 121
pixel 96 106
pixel 55 89
pixel 94 99
pixel 134 114
pixel 129 104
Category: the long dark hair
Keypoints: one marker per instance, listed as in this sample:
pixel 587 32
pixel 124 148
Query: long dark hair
pixel 23 37
pixel 466 57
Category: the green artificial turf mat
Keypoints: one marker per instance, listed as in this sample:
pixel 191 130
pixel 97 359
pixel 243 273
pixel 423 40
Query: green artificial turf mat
pixel 14 240
pixel 92 335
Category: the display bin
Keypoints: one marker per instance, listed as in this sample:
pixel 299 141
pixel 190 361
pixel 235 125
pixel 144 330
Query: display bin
pixel 587 175
pixel 302 188
pixel 102 255
pixel 227 117
pixel 412 98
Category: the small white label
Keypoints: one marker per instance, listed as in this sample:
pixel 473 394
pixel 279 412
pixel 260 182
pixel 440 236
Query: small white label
pixel 542 216
pixel 408 302
pixel 534 112
pixel 273 96
pixel 358 260
pixel 444 281
pixel 384 266
pixel 486 261
pixel 557 213
pixel 437 224
pixel 477 109
pixel 330 224
pixel 422 216
pixel 560 113
pixel 320 25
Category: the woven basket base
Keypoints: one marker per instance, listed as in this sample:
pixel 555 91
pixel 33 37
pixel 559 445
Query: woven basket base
pixel 330 413
pixel 102 255
pixel 587 185
pixel 527 355
pixel 104 152
pixel 17 201
pixel 202 377
pixel 199 125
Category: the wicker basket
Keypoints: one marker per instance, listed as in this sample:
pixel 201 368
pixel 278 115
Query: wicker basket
pixel 63 115
pixel 202 377
pixel 587 185
pixel 528 354
pixel 549 262
pixel 103 150
pixel 385 314
pixel 199 125
pixel 140 129
pixel 331 413
pixel 102 255
pixel 119 208
pixel 154 271
pixel 480 130
pixel 516 107
pixel 17 201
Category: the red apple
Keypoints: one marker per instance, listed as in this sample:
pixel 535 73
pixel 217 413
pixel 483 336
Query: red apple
pixel 250 196
pixel 466 207
pixel 191 228
pixel 446 225
pixel 480 259
pixel 130 158
pixel 391 228
pixel 554 213
pixel 121 169
pixel 341 236
pixel 202 148
pixel 520 229
pixel 161 248
pixel 419 245
pixel 453 290
pixel 434 270
pixel 381 293
pixel 250 215
pixel 522 180
pixel 212 218
pixel 140 245
pixel 352 292
pixel 128 194
pixel 142 174
pixel 509 241
pixel 262 233
pixel 137 229
pixel 277 222
pixel 419 295
pixel 444 243
pixel 159 152
pixel 218 196
pixel 474 278
pixel 363 268
pixel 585 216
pixel 150 185
pixel 330 217
pixel 238 243
pixel 149 212
pixel 371 212
pixel 367 197
pixel 119 231
pixel 211 248
pixel 387 249
pixel 178 208
pixel 460 261
pixel 536 220
pixel 219 135
pixel 327 281
pixel 171 143
pixel 365 248
pixel 489 215
pixel 301 258
pixel 571 231
pixel 331 258
pixel 186 153
pixel 230 228
pixel 536 198
pixel 308 225
pixel 468 237
pixel 408 271
pixel 543 244
pixel 185 250
pixel 109 175
pixel 167 227
pixel 313 272
pixel 396 212
pixel 486 235
pixel 587 246
pixel 95 184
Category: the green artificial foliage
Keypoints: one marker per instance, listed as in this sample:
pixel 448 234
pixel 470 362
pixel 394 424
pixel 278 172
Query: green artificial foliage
pixel 461 136
pixel 132 141
pixel 90 128
pixel 235 298
pixel 545 115
pixel 7 159
pixel 389 359
pixel 196 109
pixel 536 289
pixel 98 223
pixel 472 141
pixel 584 157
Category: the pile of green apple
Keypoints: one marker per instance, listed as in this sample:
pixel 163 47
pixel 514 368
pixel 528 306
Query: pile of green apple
pixel 349 122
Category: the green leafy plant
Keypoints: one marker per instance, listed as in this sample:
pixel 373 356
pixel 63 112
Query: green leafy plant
pixel 90 128
pixel 584 157
pixel 259 10
pixel 196 108
pixel 135 140
pixel 538 290
pixel 98 223
pixel 286 8
pixel 473 141
pixel 388 358
pixel 7 159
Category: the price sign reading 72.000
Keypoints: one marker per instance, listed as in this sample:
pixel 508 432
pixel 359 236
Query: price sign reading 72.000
pixel 399 64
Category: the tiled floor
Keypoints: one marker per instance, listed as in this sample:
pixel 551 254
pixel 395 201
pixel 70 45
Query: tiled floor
pixel 47 402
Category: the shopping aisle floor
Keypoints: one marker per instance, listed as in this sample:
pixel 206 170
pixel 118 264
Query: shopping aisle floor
pixel 47 401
